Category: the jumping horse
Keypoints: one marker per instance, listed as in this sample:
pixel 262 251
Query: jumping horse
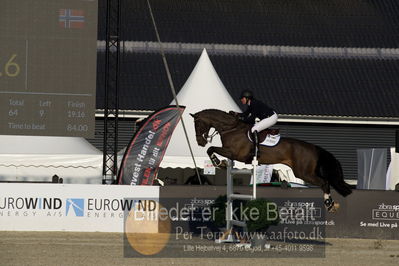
pixel 309 162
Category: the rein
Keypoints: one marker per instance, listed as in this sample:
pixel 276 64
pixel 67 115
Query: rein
pixel 209 139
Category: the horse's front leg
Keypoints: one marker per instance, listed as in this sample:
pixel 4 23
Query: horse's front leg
pixel 212 151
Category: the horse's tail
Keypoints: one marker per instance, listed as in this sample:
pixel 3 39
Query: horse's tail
pixel 329 168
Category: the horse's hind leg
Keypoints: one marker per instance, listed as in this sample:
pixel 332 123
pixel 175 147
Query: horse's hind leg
pixel 329 203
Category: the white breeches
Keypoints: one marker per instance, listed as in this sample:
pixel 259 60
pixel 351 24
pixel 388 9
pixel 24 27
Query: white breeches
pixel 265 123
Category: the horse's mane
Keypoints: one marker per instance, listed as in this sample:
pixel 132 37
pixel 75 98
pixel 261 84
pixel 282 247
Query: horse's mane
pixel 222 116
pixel 215 111
pixel 211 112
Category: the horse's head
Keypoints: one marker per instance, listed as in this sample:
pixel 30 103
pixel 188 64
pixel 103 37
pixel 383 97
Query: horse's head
pixel 201 130
pixel 212 118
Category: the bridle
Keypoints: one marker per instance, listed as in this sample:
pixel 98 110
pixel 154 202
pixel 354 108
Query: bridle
pixel 209 138
pixel 202 127
pixel 206 137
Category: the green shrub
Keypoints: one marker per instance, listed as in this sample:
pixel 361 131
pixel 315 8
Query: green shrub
pixel 266 215
pixel 220 212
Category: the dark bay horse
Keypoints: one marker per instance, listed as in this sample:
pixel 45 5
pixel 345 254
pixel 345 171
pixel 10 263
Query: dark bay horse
pixel 309 162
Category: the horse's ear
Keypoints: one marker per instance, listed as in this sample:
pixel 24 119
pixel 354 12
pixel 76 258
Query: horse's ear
pixel 192 115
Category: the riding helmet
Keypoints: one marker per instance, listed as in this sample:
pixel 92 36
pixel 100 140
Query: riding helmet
pixel 247 94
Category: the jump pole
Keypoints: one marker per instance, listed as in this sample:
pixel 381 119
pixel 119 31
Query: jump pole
pixel 228 236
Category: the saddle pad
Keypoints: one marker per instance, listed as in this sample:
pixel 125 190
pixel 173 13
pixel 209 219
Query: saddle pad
pixel 270 140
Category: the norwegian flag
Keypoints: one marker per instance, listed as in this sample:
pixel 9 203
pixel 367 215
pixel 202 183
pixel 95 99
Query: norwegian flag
pixel 71 18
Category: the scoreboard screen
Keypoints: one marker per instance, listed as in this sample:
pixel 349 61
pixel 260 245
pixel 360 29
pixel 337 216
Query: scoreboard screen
pixel 48 52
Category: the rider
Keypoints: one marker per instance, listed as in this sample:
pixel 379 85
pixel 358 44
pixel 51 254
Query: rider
pixel 256 110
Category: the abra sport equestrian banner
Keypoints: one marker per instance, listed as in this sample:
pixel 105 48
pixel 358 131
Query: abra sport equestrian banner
pixel 145 152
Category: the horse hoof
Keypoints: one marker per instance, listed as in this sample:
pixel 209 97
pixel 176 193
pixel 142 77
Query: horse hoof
pixel 334 208
pixel 223 164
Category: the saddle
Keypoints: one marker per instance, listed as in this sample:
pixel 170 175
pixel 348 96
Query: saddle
pixel 267 137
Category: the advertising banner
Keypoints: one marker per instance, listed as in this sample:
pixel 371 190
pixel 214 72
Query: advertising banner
pixel 145 152
pixel 363 214
pixel 195 227
pixel 68 207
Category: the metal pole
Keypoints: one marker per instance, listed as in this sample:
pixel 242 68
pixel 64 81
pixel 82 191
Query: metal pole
pixel 254 165
pixel 172 87
pixel 229 192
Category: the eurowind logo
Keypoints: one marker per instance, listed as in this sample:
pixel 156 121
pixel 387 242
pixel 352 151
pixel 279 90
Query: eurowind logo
pixel 76 206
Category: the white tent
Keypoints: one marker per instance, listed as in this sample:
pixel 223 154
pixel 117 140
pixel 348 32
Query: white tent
pixel 37 158
pixel 202 90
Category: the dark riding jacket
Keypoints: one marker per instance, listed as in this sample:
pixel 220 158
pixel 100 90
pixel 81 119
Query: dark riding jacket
pixel 256 109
